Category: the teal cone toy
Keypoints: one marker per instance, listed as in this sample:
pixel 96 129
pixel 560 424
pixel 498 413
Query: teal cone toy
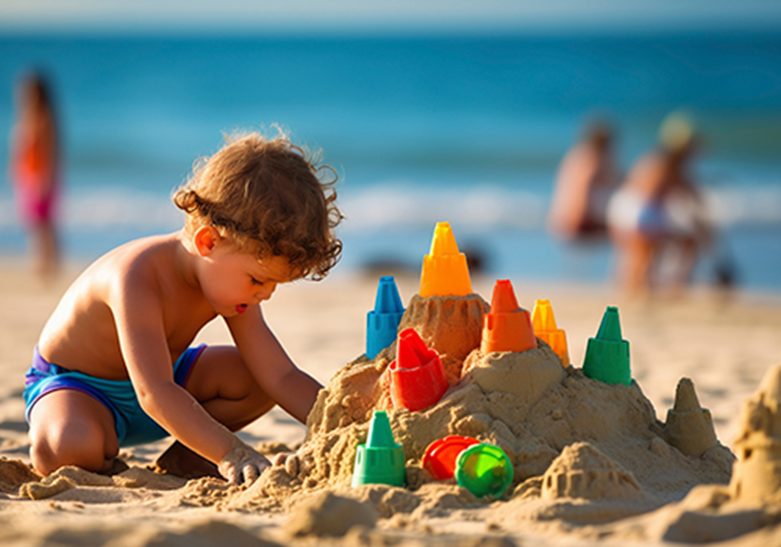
pixel 607 354
pixel 380 460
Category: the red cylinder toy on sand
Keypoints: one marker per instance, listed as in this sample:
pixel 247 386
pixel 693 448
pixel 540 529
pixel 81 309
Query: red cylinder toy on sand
pixel 441 455
pixel 417 377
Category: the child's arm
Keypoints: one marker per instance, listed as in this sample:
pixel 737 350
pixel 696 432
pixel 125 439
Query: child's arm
pixel 291 388
pixel 138 317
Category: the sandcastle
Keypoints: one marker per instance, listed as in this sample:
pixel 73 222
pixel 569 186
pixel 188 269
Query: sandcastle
pixel 508 388
pixel 756 478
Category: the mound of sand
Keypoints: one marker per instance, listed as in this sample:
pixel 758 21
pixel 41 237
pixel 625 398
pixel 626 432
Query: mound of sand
pixel 327 514
pixel 750 506
pixel 582 471
pixel 14 473
pixel 524 402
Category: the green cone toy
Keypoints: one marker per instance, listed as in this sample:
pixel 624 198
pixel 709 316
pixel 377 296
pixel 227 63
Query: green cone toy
pixel 607 354
pixel 380 460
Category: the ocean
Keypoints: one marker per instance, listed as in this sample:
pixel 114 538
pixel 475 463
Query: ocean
pixel 464 128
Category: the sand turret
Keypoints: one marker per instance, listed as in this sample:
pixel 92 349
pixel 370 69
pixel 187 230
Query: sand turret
pixel 756 476
pixel 582 471
pixel 446 314
pixel 689 427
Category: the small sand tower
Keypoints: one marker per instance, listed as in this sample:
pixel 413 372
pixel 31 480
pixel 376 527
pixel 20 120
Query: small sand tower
pixel 446 313
pixel 756 476
pixel 689 427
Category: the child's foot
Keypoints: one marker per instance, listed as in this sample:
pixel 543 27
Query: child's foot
pixel 114 466
pixel 181 461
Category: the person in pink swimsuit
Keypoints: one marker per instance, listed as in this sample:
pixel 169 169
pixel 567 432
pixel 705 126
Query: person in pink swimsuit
pixel 35 170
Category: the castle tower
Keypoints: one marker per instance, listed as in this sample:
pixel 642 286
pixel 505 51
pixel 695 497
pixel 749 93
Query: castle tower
pixel 607 354
pixel 689 427
pixel 445 272
pixel 380 460
pixel 544 324
pixel 756 475
pixel 383 321
pixel 507 327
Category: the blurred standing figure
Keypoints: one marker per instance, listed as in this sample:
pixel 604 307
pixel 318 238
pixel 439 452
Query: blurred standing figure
pixel 587 177
pixel 658 219
pixel 35 170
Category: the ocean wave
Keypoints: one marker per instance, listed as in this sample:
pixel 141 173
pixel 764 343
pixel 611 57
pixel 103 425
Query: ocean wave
pixel 394 204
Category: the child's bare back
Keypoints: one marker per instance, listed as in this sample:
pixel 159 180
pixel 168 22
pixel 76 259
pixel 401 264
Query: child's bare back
pixel 81 333
pixel 114 364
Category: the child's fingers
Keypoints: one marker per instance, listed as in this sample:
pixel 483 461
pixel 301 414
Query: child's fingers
pixel 250 473
pixel 281 458
pixel 229 472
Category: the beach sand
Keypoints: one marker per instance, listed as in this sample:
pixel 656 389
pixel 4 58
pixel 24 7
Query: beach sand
pixel 724 345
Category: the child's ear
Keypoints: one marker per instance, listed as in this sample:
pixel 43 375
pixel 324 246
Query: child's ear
pixel 205 239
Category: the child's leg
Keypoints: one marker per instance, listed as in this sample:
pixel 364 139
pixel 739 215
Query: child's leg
pixel 68 427
pixel 224 386
pixel 221 382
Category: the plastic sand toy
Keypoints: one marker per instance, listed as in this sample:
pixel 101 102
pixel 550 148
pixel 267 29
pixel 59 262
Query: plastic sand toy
pixel 445 272
pixel 507 327
pixel 383 322
pixel 441 455
pixel 484 469
pixel 380 460
pixel 544 324
pixel 607 354
pixel 417 377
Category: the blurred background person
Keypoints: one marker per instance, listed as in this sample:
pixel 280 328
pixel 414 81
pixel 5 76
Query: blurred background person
pixel 658 218
pixel 34 166
pixel 586 179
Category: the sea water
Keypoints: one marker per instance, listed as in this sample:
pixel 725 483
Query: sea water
pixel 464 128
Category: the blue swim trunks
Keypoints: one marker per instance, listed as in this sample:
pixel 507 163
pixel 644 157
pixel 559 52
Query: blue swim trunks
pixel 132 424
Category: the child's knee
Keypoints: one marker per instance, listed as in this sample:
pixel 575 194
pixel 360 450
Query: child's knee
pixel 74 443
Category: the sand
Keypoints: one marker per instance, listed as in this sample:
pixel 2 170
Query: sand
pixel 646 463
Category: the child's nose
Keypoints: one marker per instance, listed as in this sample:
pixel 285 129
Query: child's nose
pixel 266 291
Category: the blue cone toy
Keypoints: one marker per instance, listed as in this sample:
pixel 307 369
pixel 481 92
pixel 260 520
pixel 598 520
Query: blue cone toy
pixel 383 322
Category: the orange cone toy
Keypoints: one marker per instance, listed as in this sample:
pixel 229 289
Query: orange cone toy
pixel 445 272
pixel 544 324
pixel 507 327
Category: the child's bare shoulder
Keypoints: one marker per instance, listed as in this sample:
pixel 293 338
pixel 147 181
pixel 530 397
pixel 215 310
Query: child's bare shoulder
pixel 146 265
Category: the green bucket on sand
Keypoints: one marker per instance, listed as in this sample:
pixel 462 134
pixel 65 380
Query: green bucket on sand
pixel 484 469
pixel 380 460
pixel 607 354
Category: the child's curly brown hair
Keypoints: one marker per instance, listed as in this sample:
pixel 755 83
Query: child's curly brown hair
pixel 269 198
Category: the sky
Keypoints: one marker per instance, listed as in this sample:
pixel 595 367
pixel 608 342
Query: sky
pixel 398 15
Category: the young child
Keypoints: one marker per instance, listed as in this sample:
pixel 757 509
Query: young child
pixel 114 365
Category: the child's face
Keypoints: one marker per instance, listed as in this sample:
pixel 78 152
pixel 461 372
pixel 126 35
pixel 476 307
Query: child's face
pixel 232 280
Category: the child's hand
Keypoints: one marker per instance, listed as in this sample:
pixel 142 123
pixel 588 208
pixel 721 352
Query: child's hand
pixel 242 464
